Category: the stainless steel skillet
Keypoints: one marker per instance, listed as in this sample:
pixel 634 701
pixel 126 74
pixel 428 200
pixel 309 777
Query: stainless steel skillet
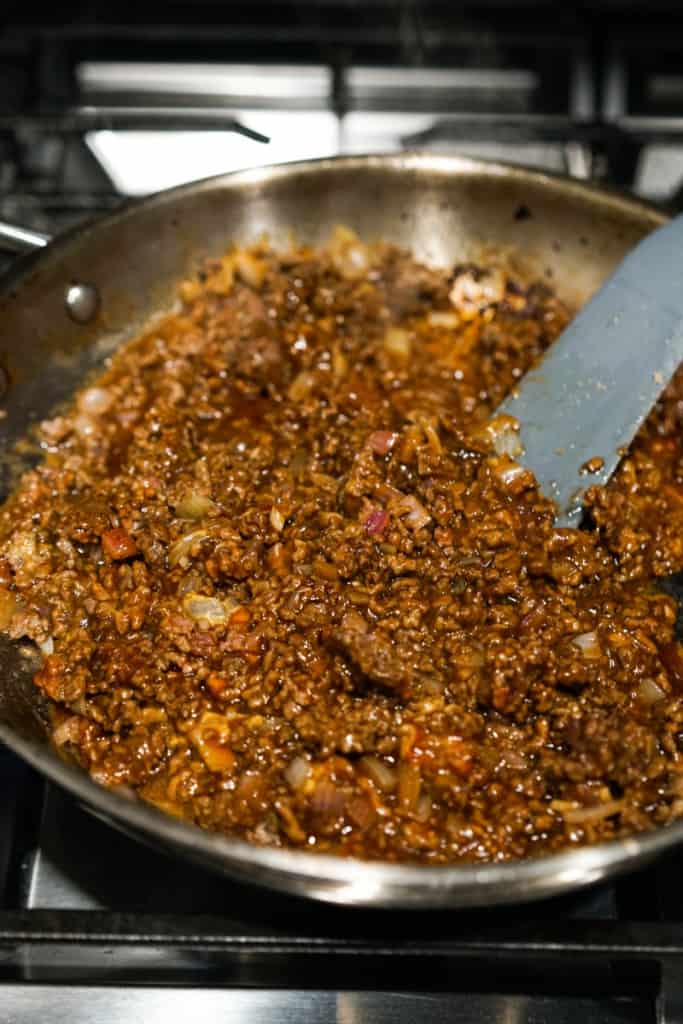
pixel 446 209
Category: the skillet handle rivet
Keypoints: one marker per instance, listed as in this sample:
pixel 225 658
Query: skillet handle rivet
pixel 82 302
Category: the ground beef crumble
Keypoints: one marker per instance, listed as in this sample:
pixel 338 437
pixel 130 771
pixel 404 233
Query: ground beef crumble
pixel 291 585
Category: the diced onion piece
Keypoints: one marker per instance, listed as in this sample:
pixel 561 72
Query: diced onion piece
pixel 349 255
pixel 512 478
pixel 514 759
pixel 398 343
pixel 325 482
pixel 586 815
pixel 277 520
pixel 67 731
pixel 340 364
pixel 328 800
pixel 503 432
pixel 202 608
pixel 379 772
pixel 376 522
pixel 356 260
pixel 471 293
pixel 409 786
pixel 47 646
pixel 297 772
pixel 469 562
pixel 84 425
pixel 94 401
pixel 278 559
pixel 194 505
pixel 210 736
pixel 493 284
pixel 589 645
pixel 221 280
pixel 424 808
pixel 650 692
pixel 182 547
pixel 23 551
pixel 441 319
pixel 8 606
pixel 208 610
pixel 290 822
pixel 413 512
pixel 189 290
pixel 509 473
pixel 301 386
pixel 251 269
pixel 381 442
pixel 361 811
pixel 249 643
pixel 432 436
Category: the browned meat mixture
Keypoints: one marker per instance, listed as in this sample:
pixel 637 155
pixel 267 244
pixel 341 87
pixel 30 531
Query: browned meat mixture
pixel 291 585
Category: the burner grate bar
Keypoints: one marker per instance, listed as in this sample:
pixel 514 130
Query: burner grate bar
pixel 125 117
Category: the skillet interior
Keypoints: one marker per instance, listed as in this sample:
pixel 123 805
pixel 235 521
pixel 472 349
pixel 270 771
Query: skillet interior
pixel 445 210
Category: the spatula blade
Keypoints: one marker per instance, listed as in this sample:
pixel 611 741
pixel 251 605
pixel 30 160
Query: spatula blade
pixel 597 383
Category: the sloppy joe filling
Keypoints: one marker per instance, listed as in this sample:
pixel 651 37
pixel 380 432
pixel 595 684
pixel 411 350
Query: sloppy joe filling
pixel 290 582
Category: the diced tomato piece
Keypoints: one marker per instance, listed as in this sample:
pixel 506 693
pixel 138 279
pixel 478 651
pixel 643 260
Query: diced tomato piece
pixel 118 544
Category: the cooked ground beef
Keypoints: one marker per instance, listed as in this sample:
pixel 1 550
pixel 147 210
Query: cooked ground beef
pixel 291 585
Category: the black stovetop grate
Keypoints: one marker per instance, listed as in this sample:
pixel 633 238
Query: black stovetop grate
pixel 600 83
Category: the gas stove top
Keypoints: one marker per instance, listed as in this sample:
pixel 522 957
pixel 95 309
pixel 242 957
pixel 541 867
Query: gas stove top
pixel 93 926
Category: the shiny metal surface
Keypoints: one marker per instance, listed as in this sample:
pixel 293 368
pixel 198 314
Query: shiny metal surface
pixel 81 1004
pixel 82 302
pixel 51 886
pixel 446 209
pixel 86 1004
pixel 14 238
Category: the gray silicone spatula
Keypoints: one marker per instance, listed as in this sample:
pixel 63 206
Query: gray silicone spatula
pixel 597 383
